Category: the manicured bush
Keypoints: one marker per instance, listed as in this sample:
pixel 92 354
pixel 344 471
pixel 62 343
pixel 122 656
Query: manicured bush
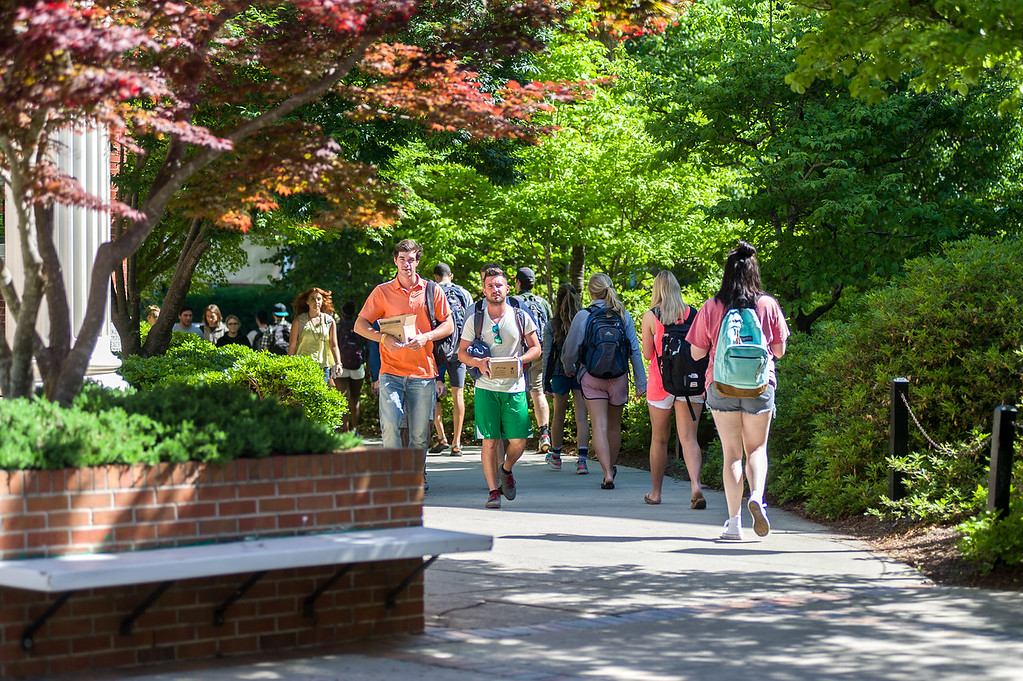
pixel 953 325
pixel 173 423
pixel 192 361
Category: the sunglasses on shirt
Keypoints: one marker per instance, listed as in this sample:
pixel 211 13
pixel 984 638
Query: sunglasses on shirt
pixel 497 334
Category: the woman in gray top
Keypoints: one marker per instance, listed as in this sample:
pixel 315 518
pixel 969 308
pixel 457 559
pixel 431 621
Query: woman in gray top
pixel 600 354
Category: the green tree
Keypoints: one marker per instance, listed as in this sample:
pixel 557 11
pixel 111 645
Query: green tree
pixel 940 45
pixel 836 192
pixel 596 189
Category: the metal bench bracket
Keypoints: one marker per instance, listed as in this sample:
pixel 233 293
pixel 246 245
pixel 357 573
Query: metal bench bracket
pixel 218 614
pixel 392 597
pixel 27 638
pixel 143 606
pixel 309 605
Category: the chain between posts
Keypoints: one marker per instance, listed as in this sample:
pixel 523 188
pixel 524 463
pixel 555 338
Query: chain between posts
pixel 944 448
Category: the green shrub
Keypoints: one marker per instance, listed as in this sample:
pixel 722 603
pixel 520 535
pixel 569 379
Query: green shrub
pixel 192 361
pixel 988 541
pixel 171 423
pixel 953 325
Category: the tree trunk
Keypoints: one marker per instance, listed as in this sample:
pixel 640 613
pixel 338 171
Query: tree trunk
pixel 577 270
pixel 195 245
pixel 804 321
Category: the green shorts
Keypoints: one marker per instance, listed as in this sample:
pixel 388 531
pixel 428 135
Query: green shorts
pixel 502 416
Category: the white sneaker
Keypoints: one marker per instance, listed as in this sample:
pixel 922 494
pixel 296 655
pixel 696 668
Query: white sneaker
pixel 732 530
pixel 758 509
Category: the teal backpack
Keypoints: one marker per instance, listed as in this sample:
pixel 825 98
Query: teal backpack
pixel 742 355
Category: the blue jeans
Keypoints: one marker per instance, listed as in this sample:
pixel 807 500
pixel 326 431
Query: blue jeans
pixel 409 400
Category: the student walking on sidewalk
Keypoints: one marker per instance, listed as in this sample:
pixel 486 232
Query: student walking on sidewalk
pixel 740 322
pixel 667 309
pixel 502 409
pixel 600 346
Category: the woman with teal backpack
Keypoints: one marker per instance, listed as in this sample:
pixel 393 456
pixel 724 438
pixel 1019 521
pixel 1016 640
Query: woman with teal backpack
pixel 743 331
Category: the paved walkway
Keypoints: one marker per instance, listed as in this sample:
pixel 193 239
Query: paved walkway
pixel 584 583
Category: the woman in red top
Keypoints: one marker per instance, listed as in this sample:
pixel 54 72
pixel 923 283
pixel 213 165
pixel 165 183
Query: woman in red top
pixel 743 423
pixel 667 305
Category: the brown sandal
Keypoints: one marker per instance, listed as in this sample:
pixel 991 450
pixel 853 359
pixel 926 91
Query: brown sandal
pixel 698 503
pixel 648 499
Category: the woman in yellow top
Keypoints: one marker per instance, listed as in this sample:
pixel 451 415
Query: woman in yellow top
pixel 314 330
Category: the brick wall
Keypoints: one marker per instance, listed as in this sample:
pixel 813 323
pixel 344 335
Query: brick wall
pixel 124 508
pixel 120 508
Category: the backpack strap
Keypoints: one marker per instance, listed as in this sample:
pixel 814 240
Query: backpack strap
pixel 520 319
pixel 477 320
pixel 430 311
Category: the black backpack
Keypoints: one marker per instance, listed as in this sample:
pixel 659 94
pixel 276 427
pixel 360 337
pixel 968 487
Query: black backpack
pixel 681 375
pixel 606 347
pixel 281 338
pixel 535 307
pixel 446 349
pixel 351 344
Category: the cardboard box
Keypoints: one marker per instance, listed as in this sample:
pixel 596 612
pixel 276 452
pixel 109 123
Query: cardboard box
pixel 401 327
pixel 505 367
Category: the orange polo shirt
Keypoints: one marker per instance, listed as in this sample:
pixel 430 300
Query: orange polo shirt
pixel 390 299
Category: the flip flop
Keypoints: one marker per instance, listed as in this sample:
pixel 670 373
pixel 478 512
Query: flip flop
pixel 456 451
pixel 647 499
pixel 698 502
pixel 607 485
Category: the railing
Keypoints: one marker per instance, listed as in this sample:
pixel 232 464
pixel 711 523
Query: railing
pixel 1002 437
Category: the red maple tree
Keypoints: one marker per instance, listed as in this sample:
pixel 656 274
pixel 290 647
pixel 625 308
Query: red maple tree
pixel 218 84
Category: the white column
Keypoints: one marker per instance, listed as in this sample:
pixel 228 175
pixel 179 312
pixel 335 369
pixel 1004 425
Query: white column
pixel 78 233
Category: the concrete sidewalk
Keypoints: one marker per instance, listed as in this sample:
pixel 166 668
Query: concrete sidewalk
pixel 585 583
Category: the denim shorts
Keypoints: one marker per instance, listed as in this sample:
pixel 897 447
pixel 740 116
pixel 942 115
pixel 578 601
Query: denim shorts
pixel 455 372
pixel 563 385
pixel 747 405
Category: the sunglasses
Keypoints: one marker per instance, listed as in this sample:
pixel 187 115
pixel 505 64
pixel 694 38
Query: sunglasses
pixel 497 334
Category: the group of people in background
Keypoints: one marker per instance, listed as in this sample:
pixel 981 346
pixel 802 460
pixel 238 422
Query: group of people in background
pixel 315 332
pixel 221 331
pixel 519 348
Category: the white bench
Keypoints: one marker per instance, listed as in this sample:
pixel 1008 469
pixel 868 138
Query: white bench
pixel 71 573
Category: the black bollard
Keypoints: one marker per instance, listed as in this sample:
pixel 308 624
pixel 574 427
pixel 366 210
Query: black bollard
pixel 899 441
pixel 1000 476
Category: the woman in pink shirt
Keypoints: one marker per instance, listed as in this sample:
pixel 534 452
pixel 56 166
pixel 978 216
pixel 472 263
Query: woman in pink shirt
pixel 743 423
pixel 667 307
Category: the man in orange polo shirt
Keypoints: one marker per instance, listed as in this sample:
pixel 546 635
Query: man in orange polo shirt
pixel 407 371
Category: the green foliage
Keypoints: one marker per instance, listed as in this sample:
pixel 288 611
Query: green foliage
pixel 192 361
pixel 41 434
pixel 939 484
pixel 173 423
pixel 636 430
pixel 837 193
pixel 953 325
pixel 990 541
pixel 943 45
pixel 599 184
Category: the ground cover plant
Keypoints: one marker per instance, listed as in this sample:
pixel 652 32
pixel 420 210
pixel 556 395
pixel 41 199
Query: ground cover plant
pixel 170 423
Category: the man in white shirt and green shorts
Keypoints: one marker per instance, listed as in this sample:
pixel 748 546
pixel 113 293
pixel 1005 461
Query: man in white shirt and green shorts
pixel 501 406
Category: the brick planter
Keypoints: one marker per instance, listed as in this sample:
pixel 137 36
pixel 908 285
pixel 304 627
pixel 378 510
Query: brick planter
pixel 127 508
